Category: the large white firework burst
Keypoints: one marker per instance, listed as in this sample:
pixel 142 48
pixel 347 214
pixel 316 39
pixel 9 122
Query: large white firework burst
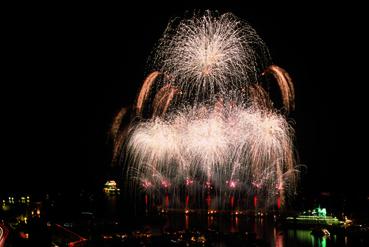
pixel 250 145
pixel 208 54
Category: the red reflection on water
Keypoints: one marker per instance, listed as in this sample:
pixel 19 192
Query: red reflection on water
pixel 187 221
pixel 278 202
pixel 278 238
pixel 187 200
pixel 210 221
pixel 234 224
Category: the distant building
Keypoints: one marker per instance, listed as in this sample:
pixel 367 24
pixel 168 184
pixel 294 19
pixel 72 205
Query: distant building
pixel 111 188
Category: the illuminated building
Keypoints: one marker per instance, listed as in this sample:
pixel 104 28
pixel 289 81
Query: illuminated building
pixel 110 187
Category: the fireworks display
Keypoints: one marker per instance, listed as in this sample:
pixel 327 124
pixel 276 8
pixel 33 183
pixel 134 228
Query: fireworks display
pixel 203 124
pixel 205 55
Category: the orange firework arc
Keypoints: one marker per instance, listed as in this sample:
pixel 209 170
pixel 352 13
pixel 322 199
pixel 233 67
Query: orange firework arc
pixel 118 132
pixel 285 85
pixel 118 145
pixel 162 99
pixel 259 96
pixel 145 89
pixel 114 130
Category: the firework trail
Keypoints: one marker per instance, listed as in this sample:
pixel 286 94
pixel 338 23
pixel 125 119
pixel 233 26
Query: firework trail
pixel 118 133
pixel 162 100
pixel 285 85
pixel 114 130
pixel 145 89
pixel 206 125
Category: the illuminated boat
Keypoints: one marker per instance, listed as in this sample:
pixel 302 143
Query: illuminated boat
pixel 316 217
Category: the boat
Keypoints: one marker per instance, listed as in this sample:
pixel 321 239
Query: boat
pixel 315 217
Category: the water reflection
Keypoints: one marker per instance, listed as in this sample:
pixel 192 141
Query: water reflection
pixel 304 238
pixel 264 229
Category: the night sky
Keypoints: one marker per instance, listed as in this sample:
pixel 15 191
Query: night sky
pixel 69 69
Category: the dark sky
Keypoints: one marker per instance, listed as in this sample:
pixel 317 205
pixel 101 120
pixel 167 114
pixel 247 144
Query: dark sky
pixel 70 68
